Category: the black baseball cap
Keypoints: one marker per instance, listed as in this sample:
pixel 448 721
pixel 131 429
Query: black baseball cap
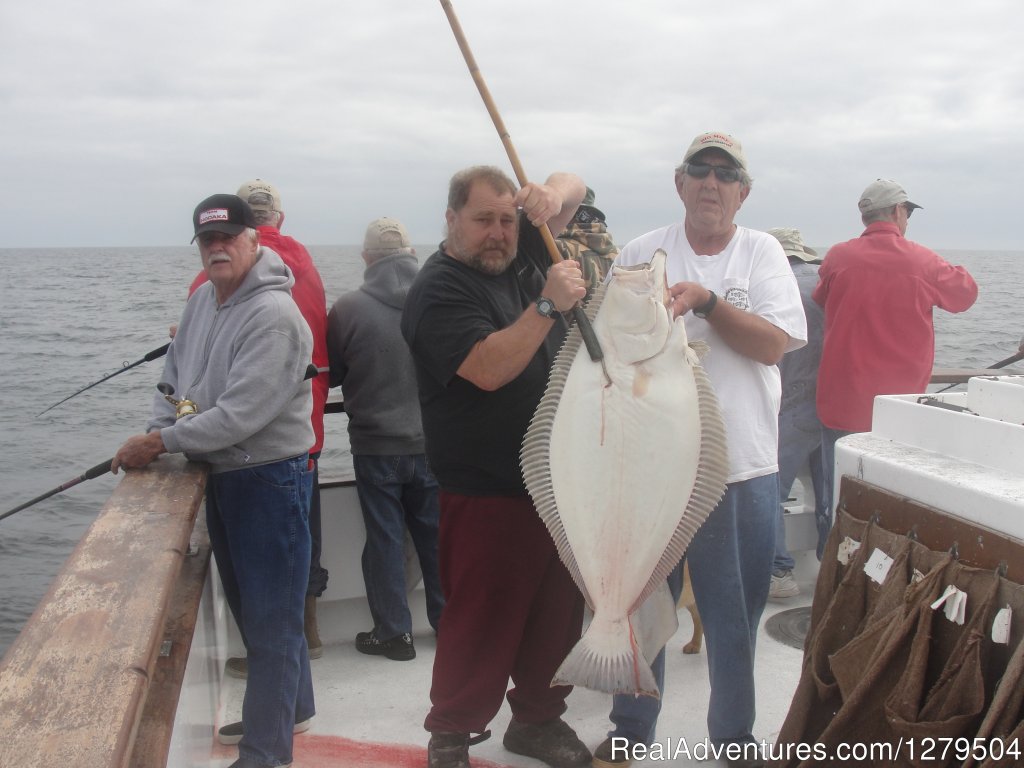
pixel 229 214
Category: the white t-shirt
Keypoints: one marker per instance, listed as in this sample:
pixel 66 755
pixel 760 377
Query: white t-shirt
pixel 753 274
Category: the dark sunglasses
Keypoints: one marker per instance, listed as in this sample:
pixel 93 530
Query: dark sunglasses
pixel 908 209
pixel 724 173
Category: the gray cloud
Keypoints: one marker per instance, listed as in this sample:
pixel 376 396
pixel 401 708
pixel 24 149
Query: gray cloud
pixel 120 116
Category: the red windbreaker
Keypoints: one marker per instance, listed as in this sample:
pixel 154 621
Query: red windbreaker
pixel 878 291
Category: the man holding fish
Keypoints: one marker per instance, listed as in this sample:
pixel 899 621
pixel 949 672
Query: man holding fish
pixel 483 321
pixel 738 294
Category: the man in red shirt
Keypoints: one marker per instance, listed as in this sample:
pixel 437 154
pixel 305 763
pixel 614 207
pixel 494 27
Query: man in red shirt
pixel 878 292
pixel 308 294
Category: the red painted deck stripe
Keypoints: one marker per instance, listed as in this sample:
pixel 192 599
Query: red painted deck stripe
pixel 313 750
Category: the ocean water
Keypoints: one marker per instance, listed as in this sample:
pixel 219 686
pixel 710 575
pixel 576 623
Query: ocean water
pixel 70 316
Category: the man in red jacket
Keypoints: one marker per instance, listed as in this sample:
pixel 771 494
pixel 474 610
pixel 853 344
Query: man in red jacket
pixel 308 294
pixel 879 291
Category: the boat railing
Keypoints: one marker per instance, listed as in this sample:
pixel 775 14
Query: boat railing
pixel 963 375
pixel 93 678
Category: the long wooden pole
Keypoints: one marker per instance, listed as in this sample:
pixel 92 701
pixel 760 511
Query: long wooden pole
pixel 582 321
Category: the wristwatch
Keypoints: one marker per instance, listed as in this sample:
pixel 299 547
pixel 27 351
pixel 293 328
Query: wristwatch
pixel 545 307
pixel 705 309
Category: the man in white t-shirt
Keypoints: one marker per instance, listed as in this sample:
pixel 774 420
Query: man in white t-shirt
pixel 738 294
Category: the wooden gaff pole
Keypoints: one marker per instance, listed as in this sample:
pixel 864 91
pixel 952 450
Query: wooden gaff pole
pixel 582 321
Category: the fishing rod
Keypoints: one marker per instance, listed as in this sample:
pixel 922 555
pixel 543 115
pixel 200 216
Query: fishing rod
pixel 182 408
pixel 125 366
pixel 582 321
pixel 99 470
pixel 1001 364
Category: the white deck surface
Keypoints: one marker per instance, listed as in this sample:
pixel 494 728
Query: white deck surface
pixel 371 710
pixel 372 699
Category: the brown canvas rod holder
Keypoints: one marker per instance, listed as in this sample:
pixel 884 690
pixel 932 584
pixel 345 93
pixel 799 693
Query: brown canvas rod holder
pixel 971 544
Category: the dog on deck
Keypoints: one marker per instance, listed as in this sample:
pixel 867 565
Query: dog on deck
pixel 687 601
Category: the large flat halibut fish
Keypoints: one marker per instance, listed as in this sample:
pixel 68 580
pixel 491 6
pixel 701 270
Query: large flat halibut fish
pixel 623 473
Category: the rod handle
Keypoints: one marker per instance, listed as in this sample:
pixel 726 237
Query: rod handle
pixel 100 469
pixel 157 353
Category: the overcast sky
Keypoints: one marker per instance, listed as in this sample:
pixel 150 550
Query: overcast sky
pixel 117 117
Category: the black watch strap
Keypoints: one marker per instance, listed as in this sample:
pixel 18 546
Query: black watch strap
pixel 706 309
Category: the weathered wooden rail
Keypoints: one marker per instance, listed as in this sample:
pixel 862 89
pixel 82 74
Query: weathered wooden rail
pixel 115 625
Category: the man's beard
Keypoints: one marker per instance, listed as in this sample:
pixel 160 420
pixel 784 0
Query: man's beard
pixel 491 259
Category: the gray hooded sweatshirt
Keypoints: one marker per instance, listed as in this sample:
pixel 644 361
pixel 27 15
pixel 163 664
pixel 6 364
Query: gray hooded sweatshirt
pixel 244 364
pixel 371 361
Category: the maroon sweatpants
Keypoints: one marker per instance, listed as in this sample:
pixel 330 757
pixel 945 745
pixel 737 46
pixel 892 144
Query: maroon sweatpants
pixel 511 611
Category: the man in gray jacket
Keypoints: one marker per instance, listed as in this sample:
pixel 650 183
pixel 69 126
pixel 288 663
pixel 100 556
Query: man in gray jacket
pixel 240 358
pixel 371 362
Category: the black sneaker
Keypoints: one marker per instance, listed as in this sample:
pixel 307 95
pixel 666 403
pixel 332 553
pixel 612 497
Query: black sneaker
pixel 397 648
pixel 611 753
pixel 451 750
pixel 232 732
pixel 553 742
pixel 237 666
pixel 245 762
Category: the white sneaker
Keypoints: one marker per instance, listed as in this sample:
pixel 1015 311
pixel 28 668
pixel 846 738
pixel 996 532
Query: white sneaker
pixel 783 586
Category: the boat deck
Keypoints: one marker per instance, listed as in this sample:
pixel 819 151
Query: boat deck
pixel 371 709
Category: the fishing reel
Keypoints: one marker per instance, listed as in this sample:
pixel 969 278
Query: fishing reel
pixel 181 407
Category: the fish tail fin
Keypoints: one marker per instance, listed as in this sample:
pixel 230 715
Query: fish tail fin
pixel 607 658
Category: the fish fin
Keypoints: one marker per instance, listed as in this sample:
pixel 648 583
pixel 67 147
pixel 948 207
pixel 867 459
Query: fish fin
pixel 709 488
pixel 607 658
pixel 700 349
pixel 594 302
pixel 535 455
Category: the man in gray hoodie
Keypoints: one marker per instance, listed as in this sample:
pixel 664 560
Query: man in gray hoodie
pixel 239 362
pixel 371 362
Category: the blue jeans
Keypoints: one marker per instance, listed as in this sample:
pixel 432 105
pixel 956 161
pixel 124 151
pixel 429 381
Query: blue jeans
pixel 635 717
pixel 730 561
pixel 396 492
pixel 258 518
pixel 799 442
pixel 829 437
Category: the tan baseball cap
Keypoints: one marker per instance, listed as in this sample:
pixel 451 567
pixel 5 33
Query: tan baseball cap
pixel 260 195
pixel 718 140
pixel 386 235
pixel 793 243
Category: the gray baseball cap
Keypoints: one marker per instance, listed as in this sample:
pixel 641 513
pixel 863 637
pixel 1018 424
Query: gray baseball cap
pixel 883 193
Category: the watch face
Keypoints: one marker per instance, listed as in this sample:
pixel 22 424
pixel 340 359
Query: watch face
pixel 545 307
